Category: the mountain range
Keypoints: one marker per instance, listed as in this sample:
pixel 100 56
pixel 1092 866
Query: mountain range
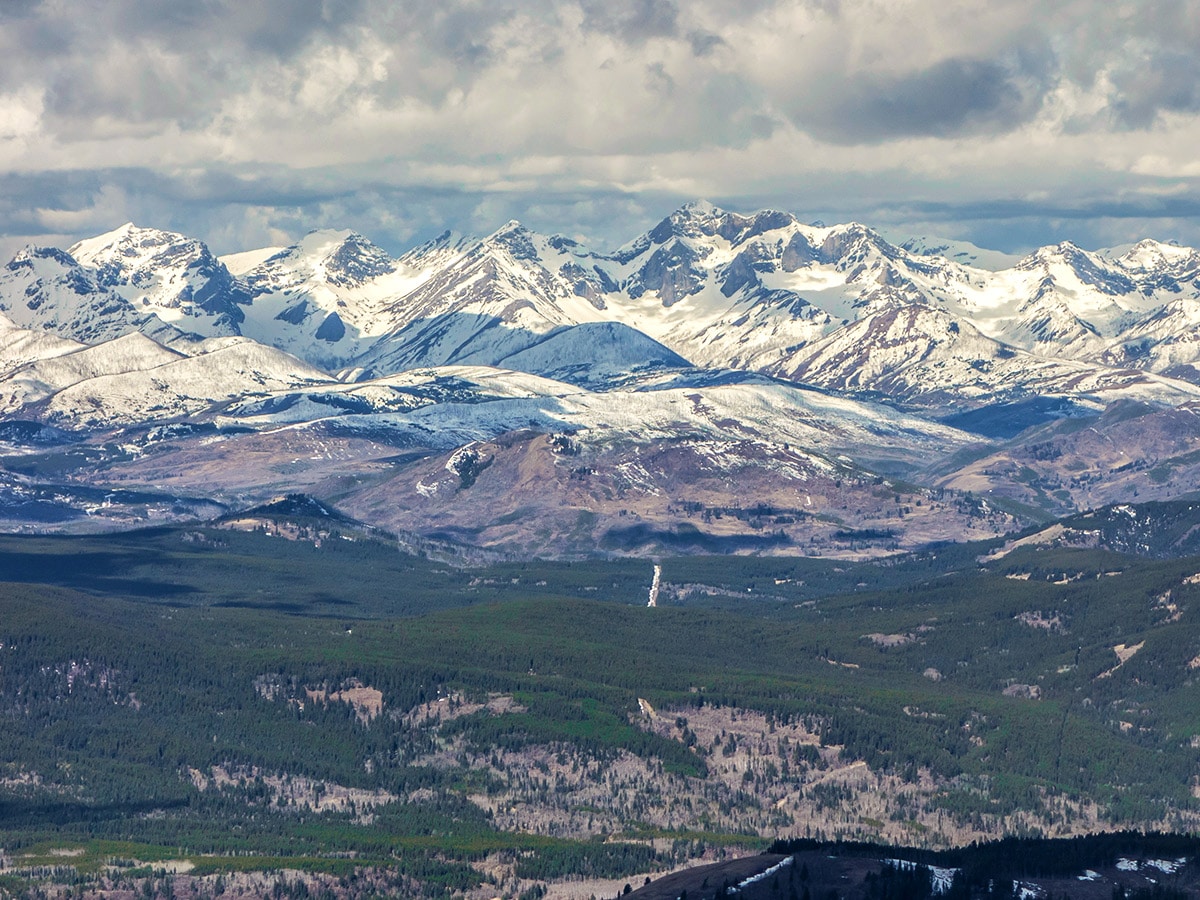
pixel 720 382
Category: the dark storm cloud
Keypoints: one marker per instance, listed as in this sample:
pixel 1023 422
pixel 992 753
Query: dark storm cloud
pixel 1145 53
pixel 222 208
pixel 12 10
pixel 634 21
pixel 1138 207
pixel 950 97
pixel 1169 82
pixel 705 42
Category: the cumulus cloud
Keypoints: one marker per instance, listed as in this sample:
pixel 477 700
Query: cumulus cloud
pixel 246 119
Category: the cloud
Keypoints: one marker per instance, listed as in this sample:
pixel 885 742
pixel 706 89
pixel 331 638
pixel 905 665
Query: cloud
pixel 252 119
pixel 633 21
pixel 948 98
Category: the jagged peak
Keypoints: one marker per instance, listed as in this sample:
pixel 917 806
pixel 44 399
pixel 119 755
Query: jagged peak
pixel 1151 254
pixel 510 229
pixel 1063 251
pixel 36 251
pixel 700 209
pixel 514 238
pixel 323 242
pixel 447 240
pixel 344 256
pixel 841 240
pixel 126 238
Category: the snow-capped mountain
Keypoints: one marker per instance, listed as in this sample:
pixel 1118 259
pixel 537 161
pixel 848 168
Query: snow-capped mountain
pixel 491 299
pixel 45 288
pixel 717 356
pixel 1165 340
pixel 762 292
pixel 168 275
pixel 713 286
pixel 324 298
pixel 922 355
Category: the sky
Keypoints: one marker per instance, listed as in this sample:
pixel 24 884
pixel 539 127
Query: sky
pixel 1009 123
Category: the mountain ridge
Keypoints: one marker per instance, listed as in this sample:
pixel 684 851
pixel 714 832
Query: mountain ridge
pixel 712 344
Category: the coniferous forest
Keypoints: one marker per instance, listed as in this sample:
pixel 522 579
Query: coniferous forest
pixel 303 698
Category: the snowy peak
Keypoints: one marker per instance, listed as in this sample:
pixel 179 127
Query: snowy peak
pixel 437 252
pixel 170 275
pixel 852 244
pixel 1160 266
pixel 493 299
pixel 1072 266
pixel 909 351
pixel 357 261
pixel 126 247
pixel 962 252
pixel 924 356
pixel 46 288
pixel 323 298
pixel 339 258
pixel 514 239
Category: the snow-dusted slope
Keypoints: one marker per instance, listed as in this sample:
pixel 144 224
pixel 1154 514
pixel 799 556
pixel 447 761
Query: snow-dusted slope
pixel 21 346
pixel 492 402
pixel 133 380
pixel 41 379
pixel 595 354
pixel 357 405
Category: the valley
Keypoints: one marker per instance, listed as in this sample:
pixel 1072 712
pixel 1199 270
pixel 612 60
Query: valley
pixel 343 707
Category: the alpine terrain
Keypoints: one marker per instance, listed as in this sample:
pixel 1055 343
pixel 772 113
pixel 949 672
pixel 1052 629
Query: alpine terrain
pixel 722 382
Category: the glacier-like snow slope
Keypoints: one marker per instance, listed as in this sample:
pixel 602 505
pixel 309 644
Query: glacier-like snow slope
pixel 324 299
pixel 962 252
